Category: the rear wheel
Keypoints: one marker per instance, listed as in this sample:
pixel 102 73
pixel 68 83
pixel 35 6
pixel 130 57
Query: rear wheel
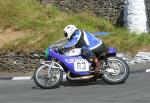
pixel 116 71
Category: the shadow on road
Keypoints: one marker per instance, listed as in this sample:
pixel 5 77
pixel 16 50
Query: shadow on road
pixel 77 84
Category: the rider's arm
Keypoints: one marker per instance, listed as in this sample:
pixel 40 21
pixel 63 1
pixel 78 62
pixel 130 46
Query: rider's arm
pixel 74 40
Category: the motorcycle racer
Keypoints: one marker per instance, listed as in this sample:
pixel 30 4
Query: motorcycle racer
pixel 92 47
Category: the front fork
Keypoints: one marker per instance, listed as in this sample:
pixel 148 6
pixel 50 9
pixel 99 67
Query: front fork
pixel 50 64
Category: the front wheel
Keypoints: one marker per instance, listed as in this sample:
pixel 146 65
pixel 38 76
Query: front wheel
pixel 47 76
pixel 116 70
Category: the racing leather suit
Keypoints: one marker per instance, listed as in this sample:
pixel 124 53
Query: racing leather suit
pixel 86 41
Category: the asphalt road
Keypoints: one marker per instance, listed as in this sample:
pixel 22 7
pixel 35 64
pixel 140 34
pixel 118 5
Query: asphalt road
pixel 135 90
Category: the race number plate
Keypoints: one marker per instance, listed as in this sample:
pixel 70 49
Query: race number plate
pixel 81 66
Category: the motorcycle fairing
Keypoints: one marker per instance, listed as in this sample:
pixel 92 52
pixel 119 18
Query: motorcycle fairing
pixel 69 62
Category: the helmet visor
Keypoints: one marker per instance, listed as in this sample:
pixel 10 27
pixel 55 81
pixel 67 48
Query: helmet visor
pixel 65 34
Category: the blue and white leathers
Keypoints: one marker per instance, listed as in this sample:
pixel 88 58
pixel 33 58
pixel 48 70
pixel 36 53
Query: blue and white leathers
pixel 82 39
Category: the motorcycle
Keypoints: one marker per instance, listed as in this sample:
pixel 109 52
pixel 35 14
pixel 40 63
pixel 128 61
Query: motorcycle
pixel 49 74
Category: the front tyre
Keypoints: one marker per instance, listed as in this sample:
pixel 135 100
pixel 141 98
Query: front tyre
pixel 116 70
pixel 48 78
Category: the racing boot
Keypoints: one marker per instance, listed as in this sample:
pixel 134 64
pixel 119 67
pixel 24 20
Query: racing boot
pixel 97 66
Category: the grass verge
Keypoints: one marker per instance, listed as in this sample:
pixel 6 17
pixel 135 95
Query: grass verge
pixel 43 25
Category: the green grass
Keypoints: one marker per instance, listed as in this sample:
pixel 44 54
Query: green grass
pixel 45 26
pixel 127 42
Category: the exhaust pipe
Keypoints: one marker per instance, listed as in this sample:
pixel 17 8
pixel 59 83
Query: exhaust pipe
pixel 79 78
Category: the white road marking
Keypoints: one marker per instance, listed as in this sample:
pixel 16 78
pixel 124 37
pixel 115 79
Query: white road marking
pixel 147 70
pixel 27 78
pixel 21 78
pixel 64 77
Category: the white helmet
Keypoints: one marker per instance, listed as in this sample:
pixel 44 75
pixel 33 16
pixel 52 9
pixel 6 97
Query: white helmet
pixel 68 30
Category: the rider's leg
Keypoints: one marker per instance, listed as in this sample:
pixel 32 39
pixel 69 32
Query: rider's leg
pixel 98 52
pixel 97 65
pixel 92 56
